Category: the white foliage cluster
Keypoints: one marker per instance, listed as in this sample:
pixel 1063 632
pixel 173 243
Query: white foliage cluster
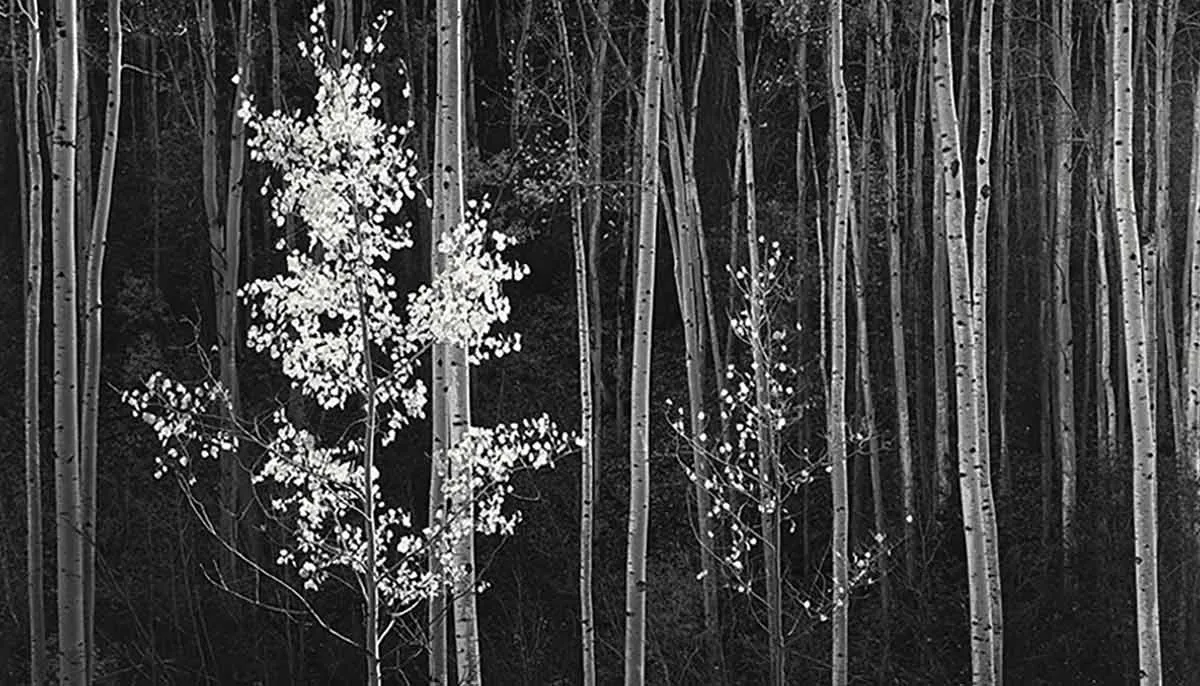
pixel 347 177
pixel 740 492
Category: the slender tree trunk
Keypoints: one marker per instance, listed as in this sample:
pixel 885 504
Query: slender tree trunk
pixel 836 417
pixel 448 210
pixel 1134 324
pixel 686 230
pixel 896 295
pixel 969 391
pixel 1192 309
pixel 1164 313
pixel 218 257
pixel 84 191
pixel 587 470
pixel 72 633
pixel 594 199
pixel 371 618
pixel 1064 353
pixel 943 460
pixel 1106 417
pixel 639 429
pixel 979 280
pixel 32 151
pixel 91 314
pixel 860 225
pixel 759 341
pixel 1005 184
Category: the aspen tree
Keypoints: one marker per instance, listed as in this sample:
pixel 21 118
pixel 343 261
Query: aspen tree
pixel 587 469
pixel 72 633
pixel 859 226
pixel 448 213
pixel 1192 309
pixel 594 202
pixel 224 235
pixel 91 315
pixel 768 466
pixel 836 417
pixel 1005 184
pixel 639 414
pixel 32 152
pixel 1164 314
pixel 692 290
pixel 1134 325
pixel 969 390
pixel 979 280
pixel 896 293
pixel 1064 353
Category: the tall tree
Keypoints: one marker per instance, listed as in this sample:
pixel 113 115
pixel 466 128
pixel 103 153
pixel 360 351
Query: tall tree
pixel 1134 324
pixel 768 464
pixel 587 467
pixel 32 152
pixel 639 413
pixel 896 291
pixel 72 633
pixel 448 213
pixel 91 315
pixel 835 423
pixel 1064 353
pixel 686 233
pixel 970 389
pixel 224 236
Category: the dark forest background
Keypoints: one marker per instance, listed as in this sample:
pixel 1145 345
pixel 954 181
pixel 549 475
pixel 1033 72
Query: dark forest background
pixel 161 616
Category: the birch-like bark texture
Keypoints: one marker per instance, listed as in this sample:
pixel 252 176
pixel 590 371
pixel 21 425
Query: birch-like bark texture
pixel 1064 353
pixel 583 326
pixel 32 152
pixel 969 390
pixel 835 423
pixel 1192 304
pixel 1133 315
pixel 448 213
pixel 979 281
pixel 72 633
pixel 639 413
pixel 91 314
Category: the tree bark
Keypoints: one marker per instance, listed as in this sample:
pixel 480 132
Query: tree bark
pixel 32 153
pixel 448 211
pixel 1064 353
pixel 639 416
pixel 836 417
pixel 768 466
pixel 72 634
pixel 969 389
pixel 92 317
pixel 587 469
pixel 1134 324
pixel 896 295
